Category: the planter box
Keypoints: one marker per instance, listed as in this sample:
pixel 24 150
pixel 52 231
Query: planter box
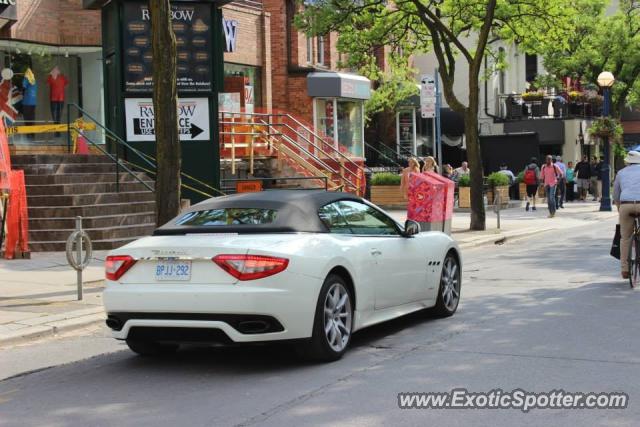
pixel 464 197
pixel 503 190
pixel 387 195
pixel 522 190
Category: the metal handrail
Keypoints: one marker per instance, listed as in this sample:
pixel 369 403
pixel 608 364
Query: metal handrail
pixel 296 121
pixel 148 159
pixel 119 163
pixel 382 154
pixel 107 131
pixel 315 157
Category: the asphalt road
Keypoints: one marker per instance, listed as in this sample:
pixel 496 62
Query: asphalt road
pixel 540 314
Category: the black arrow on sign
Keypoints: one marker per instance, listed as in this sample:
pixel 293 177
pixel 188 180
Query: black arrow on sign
pixel 195 131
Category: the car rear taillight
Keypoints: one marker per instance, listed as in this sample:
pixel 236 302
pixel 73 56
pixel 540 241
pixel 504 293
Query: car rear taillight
pixel 251 267
pixel 116 265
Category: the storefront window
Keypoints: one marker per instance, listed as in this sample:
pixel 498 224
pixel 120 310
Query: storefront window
pixel 37 98
pixel 349 117
pixel 350 126
pixel 405 122
pixel 325 116
pixel 254 74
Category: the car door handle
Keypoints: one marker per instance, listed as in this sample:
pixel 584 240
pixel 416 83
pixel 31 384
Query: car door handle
pixel 376 252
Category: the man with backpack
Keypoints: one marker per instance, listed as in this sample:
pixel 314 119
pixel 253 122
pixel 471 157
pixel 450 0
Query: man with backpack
pixel 531 180
pixel 550 176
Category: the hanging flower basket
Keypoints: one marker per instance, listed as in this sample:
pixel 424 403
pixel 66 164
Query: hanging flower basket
pixel 606 127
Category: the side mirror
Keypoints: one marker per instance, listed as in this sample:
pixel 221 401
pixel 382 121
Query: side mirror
pixel 411 228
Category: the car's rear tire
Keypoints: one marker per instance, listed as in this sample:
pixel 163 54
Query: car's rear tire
pixel 333 322
pixel 151 348
pixel 449 290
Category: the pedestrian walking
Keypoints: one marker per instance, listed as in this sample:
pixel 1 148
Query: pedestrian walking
pixel 549 176
pixel 569 187
pixel 626 196
pixel 414 167
pixel 583 176
pixel 531 180
pixel 562 185
pixel 595 172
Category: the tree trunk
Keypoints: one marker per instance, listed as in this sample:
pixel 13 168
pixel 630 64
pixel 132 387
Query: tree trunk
pixel 474 157
pixel 165 105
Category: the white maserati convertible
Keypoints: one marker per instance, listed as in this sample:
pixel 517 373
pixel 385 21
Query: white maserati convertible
pixel 309 266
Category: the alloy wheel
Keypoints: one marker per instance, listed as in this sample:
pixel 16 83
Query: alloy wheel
pixel 450 284
pixel 337 317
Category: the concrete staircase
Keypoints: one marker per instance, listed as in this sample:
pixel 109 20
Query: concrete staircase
pixel 63 186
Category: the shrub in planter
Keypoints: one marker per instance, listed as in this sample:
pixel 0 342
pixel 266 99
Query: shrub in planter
pixel 464 191
pixel 497 179
pixel 499 183
pixel 385 189
pixel 385 178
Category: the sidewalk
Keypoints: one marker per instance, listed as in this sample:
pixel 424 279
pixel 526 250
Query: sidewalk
pixel 517 223
pixel 38 295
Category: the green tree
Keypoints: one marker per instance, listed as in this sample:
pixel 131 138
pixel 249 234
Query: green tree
pixel 165 106
pixel 458 32
pixel 600 43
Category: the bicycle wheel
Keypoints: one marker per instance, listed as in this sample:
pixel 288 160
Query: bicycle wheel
pixel 634 261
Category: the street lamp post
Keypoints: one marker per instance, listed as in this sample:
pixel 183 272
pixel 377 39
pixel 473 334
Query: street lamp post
pixel 605 81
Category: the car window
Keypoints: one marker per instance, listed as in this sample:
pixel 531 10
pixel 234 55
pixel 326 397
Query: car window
pixel 363 219
pixel 333 219
pixel 228 216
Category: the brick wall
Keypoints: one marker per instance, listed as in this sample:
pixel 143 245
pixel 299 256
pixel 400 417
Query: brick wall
pixel 289 79
pixel 60 22
pixel 249 38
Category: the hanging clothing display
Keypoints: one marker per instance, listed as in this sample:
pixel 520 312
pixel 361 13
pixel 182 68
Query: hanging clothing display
pixel 29 97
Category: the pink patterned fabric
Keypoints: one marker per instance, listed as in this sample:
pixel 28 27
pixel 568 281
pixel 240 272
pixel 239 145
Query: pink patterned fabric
pixel 430 198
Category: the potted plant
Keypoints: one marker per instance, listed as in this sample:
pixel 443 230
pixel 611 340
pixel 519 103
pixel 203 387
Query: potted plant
pixel 498 184
pixel 464 191
pixel 522 187
pixel 606 127
pixel 548 82
pixel 533 96
pixel 385 190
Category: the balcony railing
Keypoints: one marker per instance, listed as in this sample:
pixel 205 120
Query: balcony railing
pixel 515 107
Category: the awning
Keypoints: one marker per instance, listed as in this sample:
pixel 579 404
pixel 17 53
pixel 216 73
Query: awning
pixel 338 85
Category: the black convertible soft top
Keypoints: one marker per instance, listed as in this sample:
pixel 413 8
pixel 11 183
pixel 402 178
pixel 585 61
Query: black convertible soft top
pixel 297 212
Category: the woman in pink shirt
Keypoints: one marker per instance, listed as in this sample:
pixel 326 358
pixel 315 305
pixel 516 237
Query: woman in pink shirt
pixel 549 175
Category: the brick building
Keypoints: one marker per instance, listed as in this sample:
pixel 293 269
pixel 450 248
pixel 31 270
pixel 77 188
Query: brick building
pixel 308 84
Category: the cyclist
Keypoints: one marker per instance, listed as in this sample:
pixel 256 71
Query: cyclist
pixel 626 196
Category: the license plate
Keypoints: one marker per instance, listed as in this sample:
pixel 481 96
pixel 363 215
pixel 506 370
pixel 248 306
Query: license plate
pixel 173 270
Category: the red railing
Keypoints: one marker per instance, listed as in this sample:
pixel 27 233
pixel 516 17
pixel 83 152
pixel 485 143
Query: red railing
pixel 272 133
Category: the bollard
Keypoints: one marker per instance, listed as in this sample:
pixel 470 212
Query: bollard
pixel 497 205
pixel 81 240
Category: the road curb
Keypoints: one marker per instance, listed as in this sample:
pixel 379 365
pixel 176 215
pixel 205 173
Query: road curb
pixel 501 238
pixel 50 329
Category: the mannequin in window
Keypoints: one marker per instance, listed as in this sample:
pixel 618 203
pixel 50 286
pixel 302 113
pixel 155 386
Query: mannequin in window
pixel 29 98
pixel 57 83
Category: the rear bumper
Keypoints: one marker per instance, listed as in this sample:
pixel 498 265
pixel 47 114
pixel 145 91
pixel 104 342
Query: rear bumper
pixel 286 309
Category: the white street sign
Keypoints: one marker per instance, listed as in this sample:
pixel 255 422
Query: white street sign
pixel 427 97
pixel 193 119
